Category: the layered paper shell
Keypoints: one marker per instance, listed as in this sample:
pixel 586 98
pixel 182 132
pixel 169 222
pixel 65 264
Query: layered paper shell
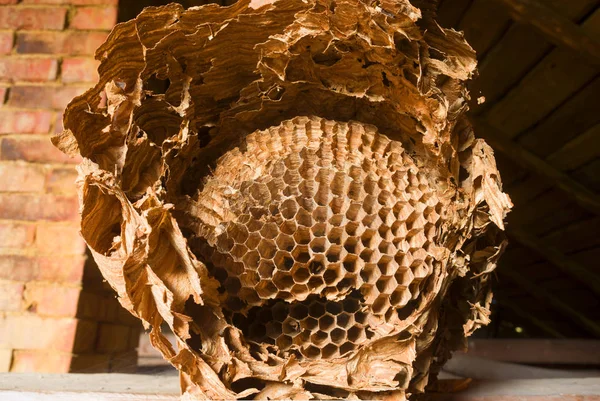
pixel 293 189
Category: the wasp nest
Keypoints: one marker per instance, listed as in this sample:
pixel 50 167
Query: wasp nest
pixel 292 187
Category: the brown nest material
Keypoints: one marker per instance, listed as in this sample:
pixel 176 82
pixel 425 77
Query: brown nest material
pixel 293 188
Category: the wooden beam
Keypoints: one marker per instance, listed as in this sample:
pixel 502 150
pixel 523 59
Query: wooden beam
pixel 497 140
pixel 537 351
pixel 519 310
pixel 557 28
pixel 552 300
pixel 557 258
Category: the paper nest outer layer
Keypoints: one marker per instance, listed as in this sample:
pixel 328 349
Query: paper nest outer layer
pixel 293 188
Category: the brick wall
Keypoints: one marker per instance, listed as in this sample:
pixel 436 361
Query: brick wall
pixel 55 313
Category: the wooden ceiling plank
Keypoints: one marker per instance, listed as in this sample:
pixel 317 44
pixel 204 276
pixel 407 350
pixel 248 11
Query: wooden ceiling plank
pixel 520 311
pixel 451 11
pixel 556 303
pixel 557 28
pixel 558 259
pixel 585 198
pixel 546 88
pixel 578 151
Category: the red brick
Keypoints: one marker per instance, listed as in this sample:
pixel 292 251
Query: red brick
pixel 16 235
pixel 21 177
pixel 35 332
pixel 5 356
pixel 94 18
pixel 9 1
pixel 43 97
pixel 3 90
pixel 49 299
pixel 60 269
pixel 6 41
pixel 30 207
pixel 59 239
pixel 75 43
pixel 91 363
pixel 32 17
pixel 28 69
pixel 74 2
pixel 25 122
pixel 37 150
pixel 25 361
pixel 61 180
pixel 11 296
pixel 79 70
pixel 18 267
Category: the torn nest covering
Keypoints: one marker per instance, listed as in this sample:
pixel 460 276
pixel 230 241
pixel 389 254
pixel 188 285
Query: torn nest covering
pixel 293 188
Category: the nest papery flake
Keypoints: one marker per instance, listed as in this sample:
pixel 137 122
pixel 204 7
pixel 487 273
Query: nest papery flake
pixel 294 190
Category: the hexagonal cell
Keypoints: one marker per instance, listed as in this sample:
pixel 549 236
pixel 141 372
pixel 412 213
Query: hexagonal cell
pixel 301 254
pixel 254 225
pixel 302 235
pixel 336 220
pixel 398 229
pixel 320 338
pixel 371 221
pixel 357 334
pixel 317 265
pixel 304 218
pixel 355 212
pixel 351 305
pixel 353 245
pixel 333 274
pixel 285 242
pixel 300 291
pixel 404 260
pixel 370 204
pixel 298 311
pixel 386 265
pixel 370 273
pixel 381 305
pixel 316 284
pixel 234 304
pixel 232 285
pixel 251 259
pixel 400 297
pixel 269 230
pixel 319 229
pixel 291 327
pixel 267 248
pixel 283 280
pixel 238 251
pixel 336 235
pixel 284 342
pixel 346 348
pixel 404 277
pixel 280 311
pixel 416 240
pixel 318 245
pixel 326 322
pixel 288 227
pixel 249 278
pixel 258 331
pixel 329 351
pixel 333 253
pixel 320 214
pixel 385 233
pixel 419 269
pixel 323 195
pixel 316 309
pixel 288 208
pixel 344 320
pixel 236 268
pixel 361 318
pixel 273 330
pixel 283 260
pixel 265 269
pixel 250 296
pixel 225 243
pixel 237 232
pixel 353 263
pixel 253 240
pixel 345 284
pixel 311 352
pixel 300 274
pixel 292 178
pixel 338 335
pixel 369 238
pixel 302 338
pixel 310 324
pixel 370 185
pixel 338 183
pixel 387 285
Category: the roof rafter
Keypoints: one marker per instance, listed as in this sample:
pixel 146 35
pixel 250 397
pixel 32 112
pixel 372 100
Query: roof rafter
pixel 555 27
